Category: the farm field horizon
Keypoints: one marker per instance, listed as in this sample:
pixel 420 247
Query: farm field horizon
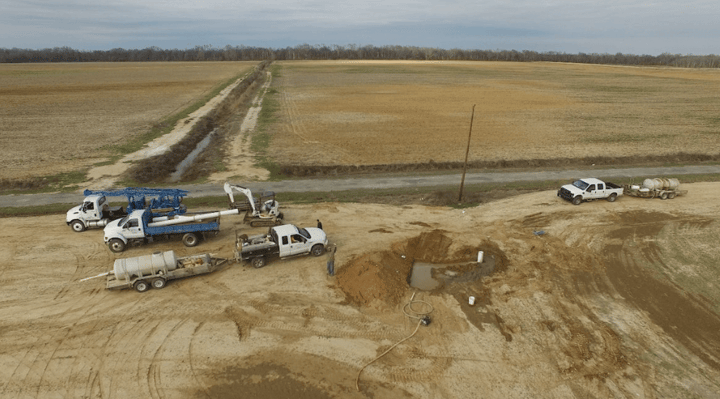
pixel 59 118
pixel 64 117
pixel 395 112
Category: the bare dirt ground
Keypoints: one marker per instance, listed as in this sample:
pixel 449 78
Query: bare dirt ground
pixel 106 176
pixel 399 112
pixel 614 300
pixel 62 117
pixel 240 160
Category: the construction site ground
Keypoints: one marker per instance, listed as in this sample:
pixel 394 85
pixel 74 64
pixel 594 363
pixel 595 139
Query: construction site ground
pixel 601 300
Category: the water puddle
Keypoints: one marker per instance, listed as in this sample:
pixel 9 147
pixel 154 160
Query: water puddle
pixel 429 276
pixel 188 161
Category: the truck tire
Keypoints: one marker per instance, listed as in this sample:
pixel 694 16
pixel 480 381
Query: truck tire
pixel 116 245
pixel 663 195
pixel 141 286
pixel 77 226
pixel 190 239
pixel 159 283
pixel 671 195
pixel 317 250
pixel 577 200
pixel 612 198
pixel 258 262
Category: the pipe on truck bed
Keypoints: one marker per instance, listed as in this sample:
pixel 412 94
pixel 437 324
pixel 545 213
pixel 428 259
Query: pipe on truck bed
pixel 178 219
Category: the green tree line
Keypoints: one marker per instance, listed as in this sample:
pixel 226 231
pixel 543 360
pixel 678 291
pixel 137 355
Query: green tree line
pixel 349 52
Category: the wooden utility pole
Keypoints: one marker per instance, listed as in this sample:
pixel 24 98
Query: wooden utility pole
pixel 467 152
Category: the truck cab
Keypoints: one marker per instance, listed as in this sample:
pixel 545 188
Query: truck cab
pixel 294 240
pixel 95 211
pixel 121 231
pixel 281 241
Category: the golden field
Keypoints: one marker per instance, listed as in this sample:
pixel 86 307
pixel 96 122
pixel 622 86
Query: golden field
pixel 62 117
pixel 390 112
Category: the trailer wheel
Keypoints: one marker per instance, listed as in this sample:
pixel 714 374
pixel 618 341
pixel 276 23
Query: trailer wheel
pixel 77 226
pixel 141 286
pixel 671 195
pixel 577 200
pixel 116 245
pixel 612 198
pixel 663 196
pixel 159 283
pixel 317 250
pixel 190 239
pixel 258 262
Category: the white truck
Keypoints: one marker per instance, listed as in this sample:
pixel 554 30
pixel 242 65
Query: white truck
pixel 140 227
pixel 589 189
pixel 144 272
pixel 280 241
pixel 95 211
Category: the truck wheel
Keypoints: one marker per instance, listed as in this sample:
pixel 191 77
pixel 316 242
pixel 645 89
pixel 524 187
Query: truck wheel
pixel 159 283
pixel 577 200
pixel 671 195
pixel 77 226
pixel 258 262
pixel 190 239
pixel 663 196
pixel 116 245
pixel 612 198
pixel 141 286
pixel 317 250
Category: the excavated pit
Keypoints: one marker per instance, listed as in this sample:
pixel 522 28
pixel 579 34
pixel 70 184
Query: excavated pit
pixel 383 278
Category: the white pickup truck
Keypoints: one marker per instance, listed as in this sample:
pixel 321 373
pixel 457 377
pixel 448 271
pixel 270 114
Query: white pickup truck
pixel 589 189
pixel 280 241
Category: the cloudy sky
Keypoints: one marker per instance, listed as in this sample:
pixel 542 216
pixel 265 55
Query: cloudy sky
pixel 571 26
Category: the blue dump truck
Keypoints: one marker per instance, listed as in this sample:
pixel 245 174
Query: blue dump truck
pixel 141 227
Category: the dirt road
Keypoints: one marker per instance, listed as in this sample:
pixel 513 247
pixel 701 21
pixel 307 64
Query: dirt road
pixel 358 183
pixel 601 300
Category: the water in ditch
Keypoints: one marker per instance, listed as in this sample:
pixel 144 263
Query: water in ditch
pixel 188 161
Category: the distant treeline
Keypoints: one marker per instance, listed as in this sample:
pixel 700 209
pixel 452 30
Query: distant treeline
pixel 350 52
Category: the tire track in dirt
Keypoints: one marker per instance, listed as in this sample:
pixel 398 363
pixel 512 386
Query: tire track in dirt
pixel 339 324
pixel 153 369
pixel 200 384
pixel 42 352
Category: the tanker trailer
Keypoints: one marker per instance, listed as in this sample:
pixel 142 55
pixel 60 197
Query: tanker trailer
pixel 662 188
pixel 144 272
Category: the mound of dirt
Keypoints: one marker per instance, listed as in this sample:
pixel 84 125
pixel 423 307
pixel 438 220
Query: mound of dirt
pixel 381 278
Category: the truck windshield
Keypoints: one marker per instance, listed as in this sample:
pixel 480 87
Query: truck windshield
pixel 123 220
pixel 580 184
pixel 304 232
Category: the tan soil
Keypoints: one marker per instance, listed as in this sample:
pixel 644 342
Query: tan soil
pixel 62 117
pixel 103 177
pixel 614 300
pixel 240 161
pixel 387 112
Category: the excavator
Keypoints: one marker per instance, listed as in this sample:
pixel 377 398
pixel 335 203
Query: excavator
pixel 263 211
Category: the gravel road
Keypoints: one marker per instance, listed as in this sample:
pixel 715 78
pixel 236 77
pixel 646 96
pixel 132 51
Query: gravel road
pixel 328 185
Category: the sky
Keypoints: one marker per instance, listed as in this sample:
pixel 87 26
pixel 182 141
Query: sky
pixel 569 26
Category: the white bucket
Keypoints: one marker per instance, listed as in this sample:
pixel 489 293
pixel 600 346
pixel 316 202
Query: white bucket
pixel 480 256
pixel 471 300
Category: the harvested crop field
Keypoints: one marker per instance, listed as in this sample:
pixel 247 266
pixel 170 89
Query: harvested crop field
pixel 601 300
pixel 395 112
pixel 62 117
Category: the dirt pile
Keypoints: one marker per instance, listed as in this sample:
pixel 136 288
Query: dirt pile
pixel 381 278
